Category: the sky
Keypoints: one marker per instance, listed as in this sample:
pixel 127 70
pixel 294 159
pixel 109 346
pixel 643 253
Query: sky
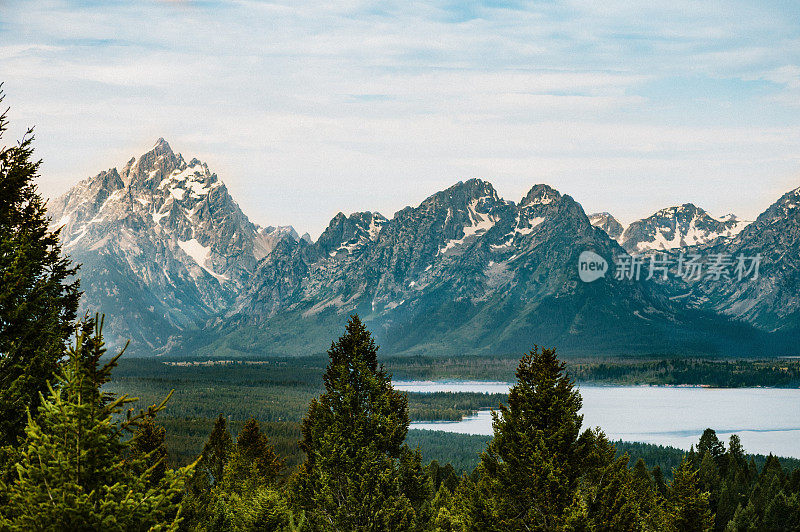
pixel 305 109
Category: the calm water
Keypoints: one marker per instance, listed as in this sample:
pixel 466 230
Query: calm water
pixel 766 419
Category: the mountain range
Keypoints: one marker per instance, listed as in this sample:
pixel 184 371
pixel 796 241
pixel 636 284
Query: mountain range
pixel 180 270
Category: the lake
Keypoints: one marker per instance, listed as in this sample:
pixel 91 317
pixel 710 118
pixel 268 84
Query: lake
pixel 766 419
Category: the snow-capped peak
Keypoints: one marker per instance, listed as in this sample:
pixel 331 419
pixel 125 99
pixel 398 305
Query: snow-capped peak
pixel 540 195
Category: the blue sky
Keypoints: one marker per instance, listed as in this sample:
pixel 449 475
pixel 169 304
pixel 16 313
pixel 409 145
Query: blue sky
pixel 308 108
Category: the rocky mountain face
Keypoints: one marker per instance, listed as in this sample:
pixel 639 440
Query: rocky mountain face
pixel 162 244
pixel 676 227
pixel 769 296
pixel 607 223
pixel 179 269
pixel 463 272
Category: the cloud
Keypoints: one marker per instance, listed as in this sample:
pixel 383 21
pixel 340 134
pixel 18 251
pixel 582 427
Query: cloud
pixel 308 108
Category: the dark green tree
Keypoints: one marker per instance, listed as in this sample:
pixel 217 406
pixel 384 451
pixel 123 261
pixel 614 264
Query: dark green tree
pixel 608 490
pixel 688 505
pixel 529 473
pixel 711 444
pixel 246 498
pixel 353 440
pixel 659 482
pixel 254 459
pixel 149 446
pixel 38 294
pixel 208 472
pixel 76 471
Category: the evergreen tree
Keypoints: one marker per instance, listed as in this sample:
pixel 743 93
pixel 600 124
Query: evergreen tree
pixel 149 445
pixel 529 472
pixel 246 498
pixel 782 514
pixel 38 299
pixel 736 455
pixel 353 439
pixel 608 489
pixel 659 482
pixel 73 473
pixel 641 476
pixel 208 472
pixel 709 443
pixel 689 507
pixel 254 459
pixel 709 480
pixel 217 451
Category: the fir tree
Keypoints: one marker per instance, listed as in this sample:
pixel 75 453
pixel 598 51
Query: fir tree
pixel 208 472
pixel 217 451
pixel 530 470
pixel 709 443
pixel 254 459
pixel 73 473
pixel 247 498
pixel 38 296
pixel 608 489
pixel 149 446
pixel 353 439
pixel 659 482
pixel 688 505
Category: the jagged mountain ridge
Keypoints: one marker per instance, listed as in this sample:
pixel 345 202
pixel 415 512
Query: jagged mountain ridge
pixel 771 300
pixel 180 269
pixel 465 271
pixel 676 227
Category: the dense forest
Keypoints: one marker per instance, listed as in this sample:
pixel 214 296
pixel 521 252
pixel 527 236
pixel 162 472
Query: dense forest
pixel 78 453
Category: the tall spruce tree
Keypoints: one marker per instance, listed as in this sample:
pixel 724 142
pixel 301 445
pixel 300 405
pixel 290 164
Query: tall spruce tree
pixel 353 440
pixel 38 295
pixel 208 473
pixel 253 460
pixel 149 446
pixel 688 504
pixel 529 473
pixel 76 471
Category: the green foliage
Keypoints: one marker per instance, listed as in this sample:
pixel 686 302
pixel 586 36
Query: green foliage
pixel 237 486
pixel 76 470
pixel 529 473
pixel 38 302
pixel 253 460
pixel 709 372
pixel 688 506
pixel 353 435
pixel 149 446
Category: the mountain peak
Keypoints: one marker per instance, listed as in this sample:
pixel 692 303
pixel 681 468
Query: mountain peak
pixel 472 188
pixel 540 194
pixel 607 222
pixel 161 148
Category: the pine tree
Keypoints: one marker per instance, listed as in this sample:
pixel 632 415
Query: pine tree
pixel 608 489
pixel 76 471
pixel 247 497
pixel 353 439
pixel 689 507
pixel 217 451
pixel 38 295
pixel 710 482
pixel 530 470
pixel 710 443
pixel 149 445
pixel 659 482
pixel 254 459
pixel 208 472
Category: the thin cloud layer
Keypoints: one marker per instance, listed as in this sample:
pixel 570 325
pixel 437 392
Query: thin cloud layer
pixel 305 110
